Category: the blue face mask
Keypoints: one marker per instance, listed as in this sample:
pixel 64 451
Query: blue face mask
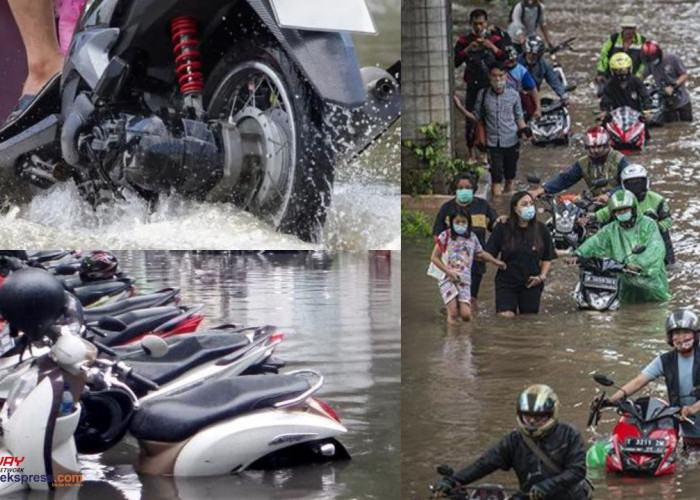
pixel 465 195
pixel 528 213
pixel 460 229
pixel 626 217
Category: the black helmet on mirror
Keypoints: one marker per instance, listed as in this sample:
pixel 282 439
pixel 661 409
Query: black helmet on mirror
pixel 681 319
pixel 31 301
pixel 98 265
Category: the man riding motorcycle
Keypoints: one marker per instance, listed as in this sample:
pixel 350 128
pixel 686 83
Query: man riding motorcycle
pixel 539 442
pixel 600 162
pixel 635 178
pixel 540 69
pixel 623 89
pixel 634 239
pixel 680 368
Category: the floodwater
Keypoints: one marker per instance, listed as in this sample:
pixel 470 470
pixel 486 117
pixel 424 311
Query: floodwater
pixel 460 384
pixel 364 211
pixel 340 312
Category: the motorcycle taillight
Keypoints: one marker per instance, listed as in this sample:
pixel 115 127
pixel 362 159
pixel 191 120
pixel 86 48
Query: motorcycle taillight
pixel 276 337
pixel 327 409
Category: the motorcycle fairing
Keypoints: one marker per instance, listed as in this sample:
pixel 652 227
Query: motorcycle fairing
pixel 313 51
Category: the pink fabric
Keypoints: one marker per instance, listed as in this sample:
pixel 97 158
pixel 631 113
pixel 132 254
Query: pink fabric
pixel 68 13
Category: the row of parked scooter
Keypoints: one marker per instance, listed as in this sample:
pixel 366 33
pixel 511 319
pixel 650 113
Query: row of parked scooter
pixel 86 361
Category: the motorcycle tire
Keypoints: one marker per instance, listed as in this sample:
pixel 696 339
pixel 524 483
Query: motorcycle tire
pixel 298 204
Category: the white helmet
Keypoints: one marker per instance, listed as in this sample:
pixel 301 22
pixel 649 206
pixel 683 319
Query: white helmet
pixel 634 171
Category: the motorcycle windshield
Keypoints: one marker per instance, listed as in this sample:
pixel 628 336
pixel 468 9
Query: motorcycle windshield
pixel 625 117
pixel 322 15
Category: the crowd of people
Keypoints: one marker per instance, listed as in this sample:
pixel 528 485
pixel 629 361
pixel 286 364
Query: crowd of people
pixel 503 71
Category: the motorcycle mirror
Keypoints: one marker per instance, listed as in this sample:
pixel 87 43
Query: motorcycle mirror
pixel 445 470
pixel 154 346
pixel 533 179
pixel 603 379
pixel 639 249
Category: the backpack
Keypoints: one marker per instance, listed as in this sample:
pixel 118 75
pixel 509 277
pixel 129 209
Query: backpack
pixel 522 14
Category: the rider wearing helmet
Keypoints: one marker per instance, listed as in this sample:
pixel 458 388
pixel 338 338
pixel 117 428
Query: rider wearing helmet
pixel 32 301
pixel 540 68
pixel 650 203
pixel 98 265
pixel 670 75
pixel 623 88
pixel 634 239
pixel 680 368
pixel 600 162
pixel 519 78
pixel 627 41
pixel 538 426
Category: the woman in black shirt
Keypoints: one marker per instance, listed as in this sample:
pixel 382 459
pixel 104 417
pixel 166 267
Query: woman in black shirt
pixel 526 246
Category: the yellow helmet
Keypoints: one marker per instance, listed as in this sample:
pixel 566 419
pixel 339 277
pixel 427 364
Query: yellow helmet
pixel 620 61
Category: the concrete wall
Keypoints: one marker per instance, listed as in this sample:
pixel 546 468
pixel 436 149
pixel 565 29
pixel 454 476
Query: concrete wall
pixel 427 82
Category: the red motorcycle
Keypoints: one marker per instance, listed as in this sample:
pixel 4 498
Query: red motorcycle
pixel 627 129
pixel 644 439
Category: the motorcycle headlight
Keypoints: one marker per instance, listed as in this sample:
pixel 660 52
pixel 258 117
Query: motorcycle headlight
pixel 565 224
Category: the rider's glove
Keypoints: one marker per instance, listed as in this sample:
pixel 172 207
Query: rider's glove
pixel 446 484
pixel 537 493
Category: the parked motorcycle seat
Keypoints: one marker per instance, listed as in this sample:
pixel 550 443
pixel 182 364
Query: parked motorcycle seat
pixel 138 322
pixel 122 306
pixel 185 412
pixel 184 354
pixel 88 294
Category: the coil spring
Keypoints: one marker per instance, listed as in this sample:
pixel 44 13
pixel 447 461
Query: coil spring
pixel 187 60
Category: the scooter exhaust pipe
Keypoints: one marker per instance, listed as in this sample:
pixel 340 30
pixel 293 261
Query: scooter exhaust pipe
pixel 76 120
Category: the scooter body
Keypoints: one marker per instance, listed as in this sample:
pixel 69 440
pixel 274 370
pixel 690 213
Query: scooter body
pixel 598 288
pixel 644 439
pixel 554 127
pixel 627 129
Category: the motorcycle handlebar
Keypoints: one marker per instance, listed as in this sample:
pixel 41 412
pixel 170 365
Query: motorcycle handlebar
pixel 143 380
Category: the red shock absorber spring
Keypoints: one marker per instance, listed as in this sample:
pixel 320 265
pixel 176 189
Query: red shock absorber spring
pixel 187 62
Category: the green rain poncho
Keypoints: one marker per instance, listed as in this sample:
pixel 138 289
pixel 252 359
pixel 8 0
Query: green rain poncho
pixel 615 242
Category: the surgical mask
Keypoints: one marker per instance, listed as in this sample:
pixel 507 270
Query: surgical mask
pixel 528 213
pixel 460 229
pixel 499 84
pixel 684 346
pixel 626 217
pixel 465 195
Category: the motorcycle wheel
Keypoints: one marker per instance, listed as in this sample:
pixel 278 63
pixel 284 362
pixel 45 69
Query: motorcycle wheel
pixel 284 164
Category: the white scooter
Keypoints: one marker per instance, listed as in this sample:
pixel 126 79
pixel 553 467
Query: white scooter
pixel 208 428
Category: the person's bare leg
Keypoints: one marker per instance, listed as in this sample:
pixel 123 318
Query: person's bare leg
pixel 496 189
pixel 452 312
pixel 37 25
pixel 465 311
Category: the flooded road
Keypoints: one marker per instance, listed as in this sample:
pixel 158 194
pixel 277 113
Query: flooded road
pixel 460 384
pixel 364 211
pixel 340 312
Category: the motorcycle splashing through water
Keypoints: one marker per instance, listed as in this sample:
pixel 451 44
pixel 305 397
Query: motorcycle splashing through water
pixel 644 439
pixel 627 129
pixel 250 102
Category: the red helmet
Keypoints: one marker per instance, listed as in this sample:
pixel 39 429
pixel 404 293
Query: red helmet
pixel 651 51
pixel 597 142
pixel 98 265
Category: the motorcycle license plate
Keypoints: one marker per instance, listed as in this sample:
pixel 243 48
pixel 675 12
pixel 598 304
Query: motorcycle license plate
pixel 322 15
pixel 600 282
pixel 644 445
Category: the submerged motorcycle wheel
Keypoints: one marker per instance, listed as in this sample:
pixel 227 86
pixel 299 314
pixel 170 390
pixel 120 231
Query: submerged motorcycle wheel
pixel 278 164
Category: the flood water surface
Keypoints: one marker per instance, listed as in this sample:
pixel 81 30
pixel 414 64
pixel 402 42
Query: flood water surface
pixel 460 384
